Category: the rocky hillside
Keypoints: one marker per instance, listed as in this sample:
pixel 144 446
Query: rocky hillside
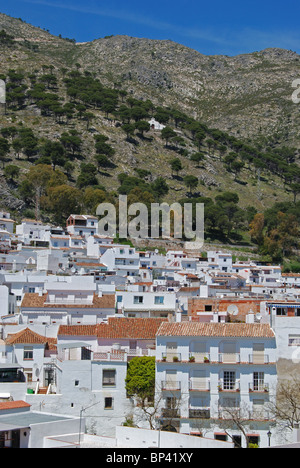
pixel 242 106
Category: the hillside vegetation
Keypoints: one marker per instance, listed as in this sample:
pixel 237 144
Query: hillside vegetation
pixel 75 132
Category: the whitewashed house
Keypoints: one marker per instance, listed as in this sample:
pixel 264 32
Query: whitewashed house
pixel 122 259
pixel 31 230
pixel 33 353
pixel 82 225
pixel 155 125
pixel 143 304
pixel 7 302
pixel 6 223
pixel 97 245
pixel 77 302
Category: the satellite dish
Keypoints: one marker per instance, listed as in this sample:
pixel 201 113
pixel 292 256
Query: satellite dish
pixel 233 309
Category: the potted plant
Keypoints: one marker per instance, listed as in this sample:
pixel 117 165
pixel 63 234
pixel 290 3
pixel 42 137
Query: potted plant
pixel 192 358
pixel 175 359
pixel 206 359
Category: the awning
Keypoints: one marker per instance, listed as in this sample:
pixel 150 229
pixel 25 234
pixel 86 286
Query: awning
pixel 288 306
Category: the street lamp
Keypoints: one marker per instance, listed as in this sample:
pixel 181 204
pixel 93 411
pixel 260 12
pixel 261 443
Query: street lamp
pixel 269 434
pixel 80 419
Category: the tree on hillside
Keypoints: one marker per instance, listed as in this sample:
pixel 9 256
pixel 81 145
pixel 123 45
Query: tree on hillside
pixel 38 177
pixel 167 134
pixel 176 165
pixel 191 182
pixel 4 150
pixel 63 200
pixel 12 172
pixel 197 157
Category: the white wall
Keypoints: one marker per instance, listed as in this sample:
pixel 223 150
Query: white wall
pixel 144 438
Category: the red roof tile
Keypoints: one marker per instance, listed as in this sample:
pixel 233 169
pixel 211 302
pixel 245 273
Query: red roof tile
pixel 238 330
pixel 35 301
pixel 6 405
pixel 27 336
pixel 116 328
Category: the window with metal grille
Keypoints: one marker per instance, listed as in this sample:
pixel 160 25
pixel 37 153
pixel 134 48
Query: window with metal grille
pixel 109 377
pixel 229 380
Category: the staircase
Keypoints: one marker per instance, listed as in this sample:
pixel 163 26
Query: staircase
pixel 42 391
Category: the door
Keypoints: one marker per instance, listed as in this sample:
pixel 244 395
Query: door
pixel 15 439
pixel 229 353
pixel 198 380
pixel 199 352
pixel 171 380
pixel 171 351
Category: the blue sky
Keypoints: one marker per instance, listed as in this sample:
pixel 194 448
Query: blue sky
pixel 211 27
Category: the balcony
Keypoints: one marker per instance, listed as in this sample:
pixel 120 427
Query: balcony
pixel 171 357
pixel 229 358
pixel 199 413
pixel 170 413
pixel 257 359
pixel 199 358
pixel 199 386
pixel 229 386
pixel 111 356
pixel 170 385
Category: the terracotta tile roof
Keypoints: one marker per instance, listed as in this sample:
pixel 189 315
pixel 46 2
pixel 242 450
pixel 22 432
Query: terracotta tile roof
pixel 116 328
pixel 291 275
pixel 77 330
pixel 238 330
pixel 34 301
pixel 13 405
pixel 27 336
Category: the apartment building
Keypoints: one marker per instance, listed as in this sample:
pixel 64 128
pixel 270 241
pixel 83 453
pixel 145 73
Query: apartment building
pixel 142 303
pixel 67 303
pixel 209 373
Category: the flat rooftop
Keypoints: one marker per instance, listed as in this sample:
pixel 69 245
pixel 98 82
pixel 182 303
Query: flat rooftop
pixel 29 418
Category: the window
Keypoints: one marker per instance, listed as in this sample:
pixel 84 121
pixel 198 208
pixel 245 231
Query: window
pixel 31 290
pixel 76 383
pixel 28 352
pixel 109 378
pixel 281 311
pixel 208 308
pixel 159 300
pixel 258 381
pixel 138 299
pixel 294 340
pixel 108 403
pixel 229 380
pixel 119 298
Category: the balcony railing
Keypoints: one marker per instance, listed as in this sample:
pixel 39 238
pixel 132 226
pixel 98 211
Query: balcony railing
pixel 170 385
pixel 170 413
pixel 229 358
pixel 196 386
pixel 230 386
pixel 259 387
pixel 199 357
pixel 171 357
pixel 199 413
pixel 114 356
pixel 256 359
